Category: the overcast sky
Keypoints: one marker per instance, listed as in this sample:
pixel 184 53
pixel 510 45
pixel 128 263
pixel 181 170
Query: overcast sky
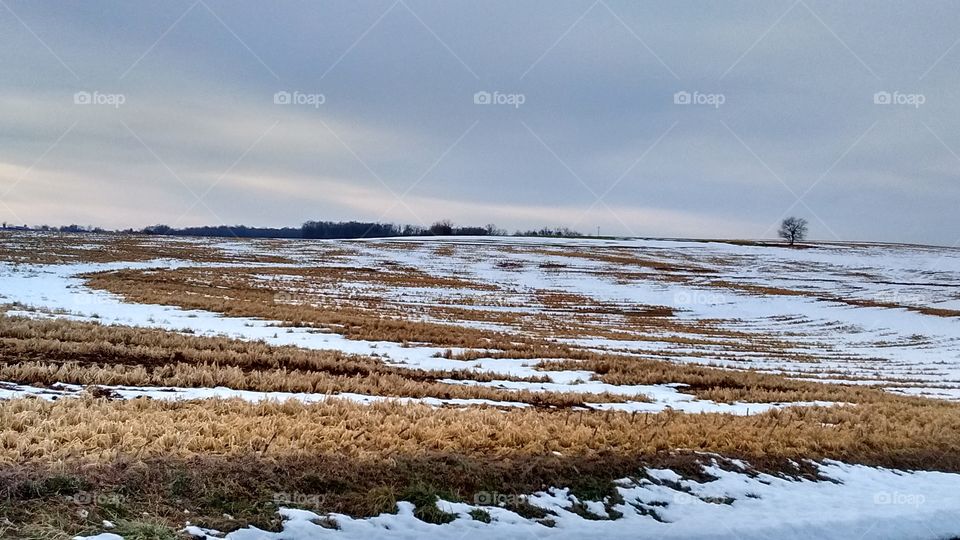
pixel 125 114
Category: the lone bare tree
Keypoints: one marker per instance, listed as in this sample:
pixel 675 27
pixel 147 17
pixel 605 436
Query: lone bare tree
pixel 793 229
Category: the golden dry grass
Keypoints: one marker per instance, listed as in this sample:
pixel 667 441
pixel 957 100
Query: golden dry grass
pixel 624 259
pixel 44 352
pixel 61 248
pixel 214 457
pixel 230 293
pixel 721 385
pixel 765 290
pixel 235 292
pixel 898 432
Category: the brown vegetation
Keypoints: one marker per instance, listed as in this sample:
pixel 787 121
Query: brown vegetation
pixel 897 432
pixel 218 457
pixel 850 301
pixel 45 352
pixel 166 457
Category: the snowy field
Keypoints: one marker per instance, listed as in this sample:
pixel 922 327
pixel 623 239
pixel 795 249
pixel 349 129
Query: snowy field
pixel 830 337
pixel 864 314
pixel 857 502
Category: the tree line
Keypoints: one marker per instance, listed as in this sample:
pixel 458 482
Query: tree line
pixel 792 229
pixel 316 230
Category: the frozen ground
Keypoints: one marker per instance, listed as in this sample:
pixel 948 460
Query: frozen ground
pixel 55 291
pixel 850 322
pixel 829 335
pixel 661 396
pixel 850 502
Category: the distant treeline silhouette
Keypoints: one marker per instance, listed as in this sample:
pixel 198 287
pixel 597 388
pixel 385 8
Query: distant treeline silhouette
pixel 359 229
pixel 241 231
pixel 318 230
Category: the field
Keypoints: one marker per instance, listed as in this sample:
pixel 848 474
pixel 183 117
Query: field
pixel 155 387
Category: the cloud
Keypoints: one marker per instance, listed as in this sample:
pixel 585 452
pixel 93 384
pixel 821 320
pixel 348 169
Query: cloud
pixel 398 115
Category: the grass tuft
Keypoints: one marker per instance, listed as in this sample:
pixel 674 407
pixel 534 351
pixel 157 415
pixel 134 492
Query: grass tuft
pixel 424 498
pixel 479 514
pixel 143 530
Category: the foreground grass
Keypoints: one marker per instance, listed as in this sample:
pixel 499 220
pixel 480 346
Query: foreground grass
pixel 118 459
pixel 45 352
pixel 155 497
pixel 902 432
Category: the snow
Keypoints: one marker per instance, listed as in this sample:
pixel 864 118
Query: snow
pixel 854 501
pixel 172 393
pixel 663 397
pixel 906 351
pixel 909 351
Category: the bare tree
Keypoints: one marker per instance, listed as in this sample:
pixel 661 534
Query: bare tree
pixel 493 230
pixel 442 228
pixel 793 229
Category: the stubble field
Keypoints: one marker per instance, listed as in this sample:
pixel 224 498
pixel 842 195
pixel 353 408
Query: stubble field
pixel 160 387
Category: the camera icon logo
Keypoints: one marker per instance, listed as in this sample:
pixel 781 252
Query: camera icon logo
pixel 482 98
pixel 681 98
pixel 882 98
pixel 82 98
pixel 282 98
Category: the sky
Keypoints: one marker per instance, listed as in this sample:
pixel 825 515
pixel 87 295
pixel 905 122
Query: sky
pixel 669 119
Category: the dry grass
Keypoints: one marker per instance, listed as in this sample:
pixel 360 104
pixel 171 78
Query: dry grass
pixel 721 385
pixel 44 352
pixel 901 432
pixel 216 457
pixel 229 492
pixel 765 290
pixel 281 380
pixel 235 292
pixel 624 259
pixel 61 248
pixel 231 293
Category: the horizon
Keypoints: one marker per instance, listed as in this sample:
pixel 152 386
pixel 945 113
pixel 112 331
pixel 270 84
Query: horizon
pixel 577 114
pixel 503 233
